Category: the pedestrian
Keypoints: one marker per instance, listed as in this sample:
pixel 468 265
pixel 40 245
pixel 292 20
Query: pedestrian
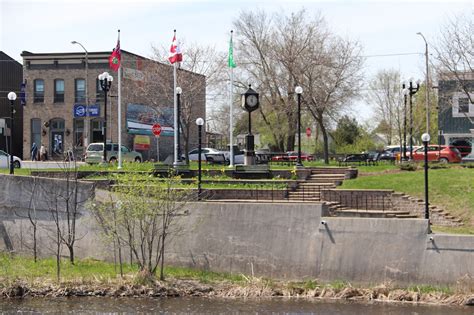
pixel 42 153
pixel 34 152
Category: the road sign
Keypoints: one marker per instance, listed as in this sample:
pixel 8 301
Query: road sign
pixel 156 129
pixel 308 132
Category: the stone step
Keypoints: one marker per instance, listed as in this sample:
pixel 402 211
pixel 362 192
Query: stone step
pixel 303 194
pixel 305 199
pixel 370 213
pixel 406 216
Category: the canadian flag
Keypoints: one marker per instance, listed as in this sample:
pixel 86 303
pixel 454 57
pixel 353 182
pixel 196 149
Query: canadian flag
pixel 175 51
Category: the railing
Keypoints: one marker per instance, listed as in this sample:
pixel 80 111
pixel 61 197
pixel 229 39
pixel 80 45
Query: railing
pixel 360 200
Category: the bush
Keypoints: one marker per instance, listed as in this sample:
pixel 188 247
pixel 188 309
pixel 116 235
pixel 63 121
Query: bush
pixel 408 166
pixel 438 166
pixel 468 165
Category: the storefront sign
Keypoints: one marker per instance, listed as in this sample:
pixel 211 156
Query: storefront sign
pixel 141 143
pixel 80 110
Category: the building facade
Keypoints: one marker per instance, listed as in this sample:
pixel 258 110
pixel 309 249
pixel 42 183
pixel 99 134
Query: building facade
pixel 11 78
pixel 456 111
pixel 65 103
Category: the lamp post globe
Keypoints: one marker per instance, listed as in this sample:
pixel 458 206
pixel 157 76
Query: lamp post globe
pixel 12 96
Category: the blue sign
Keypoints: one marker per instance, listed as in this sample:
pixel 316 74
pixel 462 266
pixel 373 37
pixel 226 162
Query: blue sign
pixel 92 110
pixel 79 111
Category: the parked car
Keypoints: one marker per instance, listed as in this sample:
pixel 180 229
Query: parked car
pixel 468 158
pixel 292 156
pixel 464 146
pixel 95 153
pixel 194 154
pixel 5 160
pixel 440 153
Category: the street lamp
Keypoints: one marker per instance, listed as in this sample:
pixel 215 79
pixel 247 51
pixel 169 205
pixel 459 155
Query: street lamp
pixel 298 91
pixel 12 98
pixel 405 94
pixel 86 120
pixel 199 123
pixel 105 80
pixel 413 87
pixel 178 105
pixel 427 100
pixel 426 139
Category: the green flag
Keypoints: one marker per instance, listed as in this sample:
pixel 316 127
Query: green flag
pixel 230 61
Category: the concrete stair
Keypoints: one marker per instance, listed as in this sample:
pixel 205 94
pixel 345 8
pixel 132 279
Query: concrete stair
pixel 320 179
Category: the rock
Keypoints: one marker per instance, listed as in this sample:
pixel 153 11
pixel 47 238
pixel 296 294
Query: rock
pixel 469 301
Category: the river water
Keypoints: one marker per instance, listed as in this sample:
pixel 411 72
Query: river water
pixel 101 305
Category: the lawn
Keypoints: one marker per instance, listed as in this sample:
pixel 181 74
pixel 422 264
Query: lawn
pixel 452 189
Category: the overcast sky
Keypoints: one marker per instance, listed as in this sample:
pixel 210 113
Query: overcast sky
pixel 382 27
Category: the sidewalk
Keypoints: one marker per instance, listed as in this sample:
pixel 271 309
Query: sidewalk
pixel 49 164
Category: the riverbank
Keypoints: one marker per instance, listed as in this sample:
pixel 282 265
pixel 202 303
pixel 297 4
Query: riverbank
pixel 251 288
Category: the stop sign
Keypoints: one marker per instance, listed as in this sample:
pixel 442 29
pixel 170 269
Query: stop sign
pixel 308 132
pixel 156 129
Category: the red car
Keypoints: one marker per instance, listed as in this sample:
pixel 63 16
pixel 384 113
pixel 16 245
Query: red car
pixel 440 153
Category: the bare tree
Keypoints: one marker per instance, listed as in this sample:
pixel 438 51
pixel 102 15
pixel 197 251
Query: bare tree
pixel 283 51
pixel 385 95
pixel 331 77
pixel 454 52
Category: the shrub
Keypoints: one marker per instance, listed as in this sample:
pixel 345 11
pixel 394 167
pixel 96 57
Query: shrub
pixel 408 166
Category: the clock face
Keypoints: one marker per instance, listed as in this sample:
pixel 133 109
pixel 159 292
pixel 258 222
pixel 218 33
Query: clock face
pixel 252 100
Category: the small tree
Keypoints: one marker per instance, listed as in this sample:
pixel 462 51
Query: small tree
pixel 142 214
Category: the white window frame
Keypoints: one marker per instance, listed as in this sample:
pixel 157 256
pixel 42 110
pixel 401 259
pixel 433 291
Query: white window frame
pixel 456 97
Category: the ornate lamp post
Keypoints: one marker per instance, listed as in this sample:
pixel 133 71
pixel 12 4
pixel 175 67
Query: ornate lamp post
pixel 298 91
pixel 12 98
pixel 178 105
pixel 105 80
pixel 250 103
pixel 413 87
pixel 199 123
pixel 426 139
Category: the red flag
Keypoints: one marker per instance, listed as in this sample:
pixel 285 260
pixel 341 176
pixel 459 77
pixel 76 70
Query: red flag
pixel 115 57
pixel 175 52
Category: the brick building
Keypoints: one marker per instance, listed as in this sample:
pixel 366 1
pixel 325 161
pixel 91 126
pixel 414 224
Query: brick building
pixel 11 76
pixel 455 111
pixel 56 117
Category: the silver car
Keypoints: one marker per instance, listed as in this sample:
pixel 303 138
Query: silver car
pixel 5 160
pixel 95 153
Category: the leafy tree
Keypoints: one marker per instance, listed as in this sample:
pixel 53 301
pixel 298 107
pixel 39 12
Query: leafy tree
pixel 347 131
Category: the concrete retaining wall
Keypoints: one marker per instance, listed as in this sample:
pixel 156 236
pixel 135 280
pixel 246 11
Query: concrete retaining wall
pixel 286 241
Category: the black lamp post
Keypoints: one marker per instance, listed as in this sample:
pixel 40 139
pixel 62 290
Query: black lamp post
pixel 178 106
pixel 105 83
pixel 405 93
pixel 412 89
pixel 298 91
pixel 12 98
pixel 250 103
pixel 426 139
pixel 199 123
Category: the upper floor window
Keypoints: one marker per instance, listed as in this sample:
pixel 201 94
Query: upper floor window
pixel 463 105
pixel 80 91
pixel 59 91
pixel 38 95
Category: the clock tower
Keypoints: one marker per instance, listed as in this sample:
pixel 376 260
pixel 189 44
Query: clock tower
pixel 250 102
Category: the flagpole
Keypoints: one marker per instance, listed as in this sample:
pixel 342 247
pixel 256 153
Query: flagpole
pixel 119 112
pixel 175 113
pixel 231 110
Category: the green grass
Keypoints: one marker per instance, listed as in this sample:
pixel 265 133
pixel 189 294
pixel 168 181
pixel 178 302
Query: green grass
pixel 24 268
pixel 451 189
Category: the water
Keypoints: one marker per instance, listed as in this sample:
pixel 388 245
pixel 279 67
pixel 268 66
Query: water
pixel 101 305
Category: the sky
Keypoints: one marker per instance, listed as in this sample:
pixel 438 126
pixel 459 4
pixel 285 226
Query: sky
pixel 381 27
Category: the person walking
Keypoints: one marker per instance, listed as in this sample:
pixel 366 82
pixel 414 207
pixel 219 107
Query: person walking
pixel 34 152
pixel 42 153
